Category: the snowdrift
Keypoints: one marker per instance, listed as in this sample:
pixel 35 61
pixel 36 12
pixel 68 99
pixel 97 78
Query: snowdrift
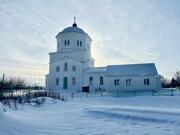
pixel 94 116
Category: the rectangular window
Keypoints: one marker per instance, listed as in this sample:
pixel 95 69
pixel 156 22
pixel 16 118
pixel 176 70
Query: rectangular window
pixel 101 81
pixel 65 66
pixel 65 42
pixel 146 82
pixel 68 42
pixel 73 81
pixel 116 82
pixel 128 82
pixel 57 81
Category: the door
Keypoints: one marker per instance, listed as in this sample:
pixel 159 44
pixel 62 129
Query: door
pixel 65 83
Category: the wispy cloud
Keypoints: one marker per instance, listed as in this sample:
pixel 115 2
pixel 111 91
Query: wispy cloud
pixel 131 31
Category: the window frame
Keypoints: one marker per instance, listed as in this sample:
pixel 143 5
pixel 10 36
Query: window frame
pixel 128 82
pixel 80 44
pixel 77 42
pixel 116 82
pixel 57 69
pixel 101 80
pixel 73 68
pixel 90 80
pixel 57 81
pixel 65 66
pixel 73 80
pixel 147 82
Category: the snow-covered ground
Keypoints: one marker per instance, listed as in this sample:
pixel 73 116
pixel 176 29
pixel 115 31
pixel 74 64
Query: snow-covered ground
pixel 96 116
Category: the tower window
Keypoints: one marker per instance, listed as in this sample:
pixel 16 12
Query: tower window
pixel 66 66
pixel 77 42
pixel 57 69
pixel 73 81
pixel 91 80
pixel 80 43
pixel 57 81
pixel 65 42
pixel 101 80
pixel 68 42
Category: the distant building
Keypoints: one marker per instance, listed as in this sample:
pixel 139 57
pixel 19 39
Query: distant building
pixel 72 67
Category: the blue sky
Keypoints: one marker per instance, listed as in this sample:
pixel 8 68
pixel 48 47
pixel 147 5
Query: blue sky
pixel 123 31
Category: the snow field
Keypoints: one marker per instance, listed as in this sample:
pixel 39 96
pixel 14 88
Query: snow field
pixel 96 116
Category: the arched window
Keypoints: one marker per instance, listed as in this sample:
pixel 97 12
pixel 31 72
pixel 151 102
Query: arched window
pixel 66 66
pixel 65 42
pixel 91 80
pixel 68 42
pixel 73 68
pixel 57 81
pixel 73 81
pixel 57 69
pixel 101 80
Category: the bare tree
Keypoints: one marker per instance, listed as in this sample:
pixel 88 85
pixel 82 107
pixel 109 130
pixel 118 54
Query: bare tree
pixel 177 77
pixel 173 83
pixel 165 82
pixel 12 83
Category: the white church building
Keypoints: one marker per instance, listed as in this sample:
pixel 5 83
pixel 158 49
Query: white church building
pixel 71 67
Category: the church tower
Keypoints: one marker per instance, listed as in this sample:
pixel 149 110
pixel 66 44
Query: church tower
pixel 69 62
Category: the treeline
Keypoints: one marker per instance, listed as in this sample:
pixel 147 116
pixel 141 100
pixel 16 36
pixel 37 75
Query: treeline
pixel 15 83
pixel 171 83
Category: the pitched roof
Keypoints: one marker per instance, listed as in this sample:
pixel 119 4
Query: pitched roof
pixel 96 69
pixel 132 69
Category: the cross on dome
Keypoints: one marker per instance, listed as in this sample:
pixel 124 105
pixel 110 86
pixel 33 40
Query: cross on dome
pixel 74 24
pixel 74 19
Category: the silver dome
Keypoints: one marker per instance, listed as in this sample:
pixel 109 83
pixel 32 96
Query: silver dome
pixel 73 29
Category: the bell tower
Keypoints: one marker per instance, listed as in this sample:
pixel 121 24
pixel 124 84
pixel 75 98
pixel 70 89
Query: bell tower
pixel 69 62
pixel 73 42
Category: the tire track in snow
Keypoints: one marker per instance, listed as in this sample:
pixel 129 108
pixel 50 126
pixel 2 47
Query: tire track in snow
pixel 147 115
